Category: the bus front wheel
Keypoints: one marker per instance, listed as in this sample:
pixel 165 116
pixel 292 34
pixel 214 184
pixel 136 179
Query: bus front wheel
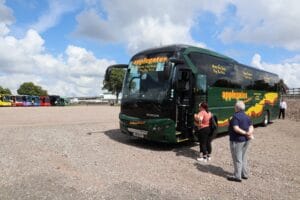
pixel 266 119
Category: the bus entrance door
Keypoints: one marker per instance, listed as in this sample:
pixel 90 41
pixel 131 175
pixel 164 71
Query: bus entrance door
pixel 184 103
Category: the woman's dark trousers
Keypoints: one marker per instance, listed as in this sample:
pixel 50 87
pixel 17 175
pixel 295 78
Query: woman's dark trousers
pixel 204 141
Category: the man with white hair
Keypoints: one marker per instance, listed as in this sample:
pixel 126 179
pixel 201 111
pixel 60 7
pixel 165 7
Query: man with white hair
pixel 240 131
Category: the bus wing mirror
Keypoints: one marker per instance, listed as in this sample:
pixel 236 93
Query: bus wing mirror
pixel 110 68
pixel 176 60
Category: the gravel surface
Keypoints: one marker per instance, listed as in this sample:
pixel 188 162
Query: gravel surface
pixel 79 153
pixel 293 109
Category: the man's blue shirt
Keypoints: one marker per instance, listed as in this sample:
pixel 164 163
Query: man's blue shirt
pixel 241 120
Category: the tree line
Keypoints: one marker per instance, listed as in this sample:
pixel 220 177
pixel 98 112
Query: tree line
pixel 27 88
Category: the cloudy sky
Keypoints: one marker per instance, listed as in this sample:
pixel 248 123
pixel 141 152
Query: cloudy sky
pixel 65 46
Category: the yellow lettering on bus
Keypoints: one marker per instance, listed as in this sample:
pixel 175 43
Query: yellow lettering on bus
pixel 144 61
pixel 218 69
pixel 247 75
pixel 232 95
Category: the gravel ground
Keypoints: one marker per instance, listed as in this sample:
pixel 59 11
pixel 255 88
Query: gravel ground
pixel 293 110
pixel 79 153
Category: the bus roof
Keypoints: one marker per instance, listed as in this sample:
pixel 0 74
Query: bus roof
pixel 168 48
pixel 189 48
pixel 181 48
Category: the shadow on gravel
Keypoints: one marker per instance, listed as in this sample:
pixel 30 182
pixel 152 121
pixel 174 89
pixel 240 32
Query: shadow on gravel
pixel 187 151
pixel 211 169
pixel 116 135
pixel 181 149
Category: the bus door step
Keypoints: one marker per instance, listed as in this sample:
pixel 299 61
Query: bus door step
pixel 178 133
pixel 182 140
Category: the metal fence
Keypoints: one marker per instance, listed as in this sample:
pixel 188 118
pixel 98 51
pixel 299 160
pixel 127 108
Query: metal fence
pixel 292 93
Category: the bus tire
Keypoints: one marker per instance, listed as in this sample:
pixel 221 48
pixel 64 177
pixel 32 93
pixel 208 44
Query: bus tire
pixel 266 119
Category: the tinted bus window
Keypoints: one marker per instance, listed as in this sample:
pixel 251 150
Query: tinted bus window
pixel 244 76
pixel 264 81
pixel 219 72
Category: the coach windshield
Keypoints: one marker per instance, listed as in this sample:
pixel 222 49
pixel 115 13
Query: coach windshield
pixel 147 79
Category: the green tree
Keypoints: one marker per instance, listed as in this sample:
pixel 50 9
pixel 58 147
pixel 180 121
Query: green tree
pixel 113 81
pixel 28 88
pixel 4 90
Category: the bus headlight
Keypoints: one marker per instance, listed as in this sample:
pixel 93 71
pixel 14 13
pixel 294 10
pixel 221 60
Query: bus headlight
pixel 157 128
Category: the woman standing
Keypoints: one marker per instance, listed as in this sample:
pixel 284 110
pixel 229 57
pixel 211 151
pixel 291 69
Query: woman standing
pixel 240 131
pixel 203 131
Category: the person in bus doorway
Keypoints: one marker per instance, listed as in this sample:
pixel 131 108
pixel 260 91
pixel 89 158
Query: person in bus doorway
pixel 203 131
pixel 283 107
pixel 240 132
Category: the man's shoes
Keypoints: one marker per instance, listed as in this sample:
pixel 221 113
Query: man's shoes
pixel 231 178
pixel 244 177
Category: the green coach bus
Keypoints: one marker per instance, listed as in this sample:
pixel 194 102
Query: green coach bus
pixel 163 87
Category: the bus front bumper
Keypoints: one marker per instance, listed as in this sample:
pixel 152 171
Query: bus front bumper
pixel 159 129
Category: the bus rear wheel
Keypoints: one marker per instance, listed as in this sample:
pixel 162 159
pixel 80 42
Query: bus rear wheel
pixel 266 119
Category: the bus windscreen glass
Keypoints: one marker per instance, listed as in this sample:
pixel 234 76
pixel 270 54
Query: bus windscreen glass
pixel 147 79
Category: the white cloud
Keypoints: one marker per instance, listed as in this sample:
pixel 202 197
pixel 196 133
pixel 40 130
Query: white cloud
pixel 53 15
pixel 93 27
pixel 14 80
pixel 136 23
pixel 83 62
pixel 6 14
pixel 295 59
pixel 77 73
pixel 169 33
pixel 6 18
pixel 144 24
pixel 271 22
pixel 3 29
pixel 289 70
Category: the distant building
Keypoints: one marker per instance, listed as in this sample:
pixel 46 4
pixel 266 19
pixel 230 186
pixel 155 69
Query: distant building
pixel 74 100
pixel 108 97
pixel 104 98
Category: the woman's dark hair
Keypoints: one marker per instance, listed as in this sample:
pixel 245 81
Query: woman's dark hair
pixel 204 106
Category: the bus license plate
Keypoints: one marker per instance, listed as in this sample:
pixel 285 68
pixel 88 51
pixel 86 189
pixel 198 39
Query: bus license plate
pixel 138 133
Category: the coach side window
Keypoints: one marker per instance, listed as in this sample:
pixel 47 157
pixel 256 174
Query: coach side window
pixel 219 72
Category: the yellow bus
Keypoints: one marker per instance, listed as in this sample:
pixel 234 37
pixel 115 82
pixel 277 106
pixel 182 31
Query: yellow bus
pixel 5 100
